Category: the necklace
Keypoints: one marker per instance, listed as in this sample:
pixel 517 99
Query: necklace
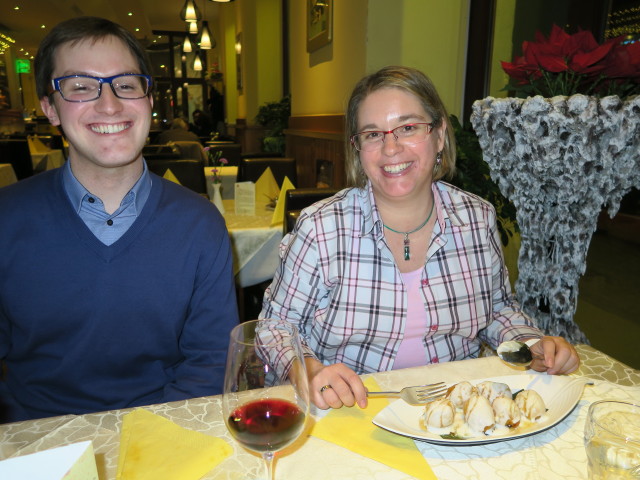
pixel 407 252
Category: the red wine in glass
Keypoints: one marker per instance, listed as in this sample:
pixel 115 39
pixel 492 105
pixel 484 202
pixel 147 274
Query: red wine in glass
pixel 266 425
pixel 265 398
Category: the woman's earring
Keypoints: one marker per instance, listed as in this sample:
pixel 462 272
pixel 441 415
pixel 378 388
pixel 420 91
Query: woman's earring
pixel 438 165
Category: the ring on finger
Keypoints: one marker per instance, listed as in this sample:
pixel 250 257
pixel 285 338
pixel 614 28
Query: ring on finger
pixel 326 387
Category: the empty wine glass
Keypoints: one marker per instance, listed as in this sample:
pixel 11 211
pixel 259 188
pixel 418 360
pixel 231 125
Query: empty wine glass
pixel 265 400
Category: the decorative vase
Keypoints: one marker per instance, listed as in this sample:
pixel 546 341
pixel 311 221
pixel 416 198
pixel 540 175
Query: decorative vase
pixel 217 197
pixel 559 160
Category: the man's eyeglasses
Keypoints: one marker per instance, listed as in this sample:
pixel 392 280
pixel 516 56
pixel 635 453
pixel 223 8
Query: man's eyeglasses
pixel 409 134
pixel 84 88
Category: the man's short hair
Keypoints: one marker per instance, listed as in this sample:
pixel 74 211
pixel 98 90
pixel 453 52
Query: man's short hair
pixel 73 31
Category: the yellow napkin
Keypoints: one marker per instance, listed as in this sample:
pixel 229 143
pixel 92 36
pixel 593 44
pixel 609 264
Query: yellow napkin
pixel 154 448
pixel 36 145
pixel 278 212
pixel 352 428
pixel 170 176
pixel 266 187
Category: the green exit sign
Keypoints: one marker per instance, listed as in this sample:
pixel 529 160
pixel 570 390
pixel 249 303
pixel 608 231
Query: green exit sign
pixel 23 65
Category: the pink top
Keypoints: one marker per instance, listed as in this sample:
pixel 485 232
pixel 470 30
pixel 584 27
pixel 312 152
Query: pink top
pixel 412 352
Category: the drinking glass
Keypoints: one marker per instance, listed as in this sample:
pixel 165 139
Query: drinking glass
pixel 265 400
pixel 612 440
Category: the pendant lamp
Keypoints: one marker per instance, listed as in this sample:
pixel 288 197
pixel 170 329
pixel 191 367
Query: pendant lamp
pixel 186 45
pixel 197 63
pixel 190 12
pixel 206 40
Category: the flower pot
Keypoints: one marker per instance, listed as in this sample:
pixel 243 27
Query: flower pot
pixel 217 197
pixel 559 160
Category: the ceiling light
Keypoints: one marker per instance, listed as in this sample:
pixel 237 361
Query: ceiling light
pixel 186 45
pixel 197 63
pixel 190 12
pixel 206 41
pixel 193 27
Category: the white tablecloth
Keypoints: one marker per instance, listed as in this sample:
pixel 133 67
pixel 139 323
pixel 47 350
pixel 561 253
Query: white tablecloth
pixel 254 242
pixel 7 175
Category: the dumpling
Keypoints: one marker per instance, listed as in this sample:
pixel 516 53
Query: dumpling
pixel 460 393
pixel 439 413
pixel 531 404
pixel 479 415
pixel 492 390
pixel 506 412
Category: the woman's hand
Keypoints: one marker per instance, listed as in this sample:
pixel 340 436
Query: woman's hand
pixel 334 385
pixel 555 356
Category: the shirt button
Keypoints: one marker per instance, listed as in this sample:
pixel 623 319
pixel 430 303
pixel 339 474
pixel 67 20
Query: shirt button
pixel 425 282
pixel 109 222
pixel 434 360
pixel 91 200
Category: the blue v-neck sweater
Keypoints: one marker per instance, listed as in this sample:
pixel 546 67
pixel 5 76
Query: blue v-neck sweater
pixel 88 327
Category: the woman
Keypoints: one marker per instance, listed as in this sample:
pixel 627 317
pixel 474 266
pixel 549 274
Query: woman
pixel 403 269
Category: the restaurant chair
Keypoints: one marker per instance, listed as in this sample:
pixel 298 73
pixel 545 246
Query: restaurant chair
pixel 230 151
pixel 298 198
pixel 250 169
pixel 190 150
pixel 160 152
pixel 17 153
pixel 189 172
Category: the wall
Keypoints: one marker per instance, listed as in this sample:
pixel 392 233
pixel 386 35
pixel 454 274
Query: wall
pixel 430 35
pixel 503 48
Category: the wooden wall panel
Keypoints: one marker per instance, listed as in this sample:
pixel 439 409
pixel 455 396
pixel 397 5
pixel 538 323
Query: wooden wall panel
pixel 317 144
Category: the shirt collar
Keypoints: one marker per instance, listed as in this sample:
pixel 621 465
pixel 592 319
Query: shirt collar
pixel 77 192
pixel 445 209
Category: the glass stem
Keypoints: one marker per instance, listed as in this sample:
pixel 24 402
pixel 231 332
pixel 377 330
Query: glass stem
pixel 268 460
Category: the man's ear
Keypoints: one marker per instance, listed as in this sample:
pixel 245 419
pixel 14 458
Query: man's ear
pixel 50 111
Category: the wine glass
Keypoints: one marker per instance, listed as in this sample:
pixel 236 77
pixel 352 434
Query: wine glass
pixel 265 401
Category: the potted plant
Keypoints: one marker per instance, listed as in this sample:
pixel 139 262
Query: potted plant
pixel 274 116
pixel 560 156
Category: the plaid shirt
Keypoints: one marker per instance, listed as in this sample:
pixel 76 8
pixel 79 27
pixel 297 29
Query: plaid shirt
pixel 339 283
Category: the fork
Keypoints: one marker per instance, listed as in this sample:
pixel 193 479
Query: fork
pixel 417 395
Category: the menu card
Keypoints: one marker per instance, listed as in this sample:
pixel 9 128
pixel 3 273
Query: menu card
pixel 245 198
pixel 71 462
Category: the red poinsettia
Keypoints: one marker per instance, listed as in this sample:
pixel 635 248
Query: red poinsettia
pixel 564 64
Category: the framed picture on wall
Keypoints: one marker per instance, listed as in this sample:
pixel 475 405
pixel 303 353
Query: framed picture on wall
pixel 319 23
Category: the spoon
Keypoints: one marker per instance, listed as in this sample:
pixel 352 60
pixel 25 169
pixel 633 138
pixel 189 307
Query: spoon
pixel 516 353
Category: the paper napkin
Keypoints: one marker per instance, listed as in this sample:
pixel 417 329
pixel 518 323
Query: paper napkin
pixel 278 212
pixel 71 462
pixel 352 428
pixel 266 187
pixel 154 448
pixel 170 176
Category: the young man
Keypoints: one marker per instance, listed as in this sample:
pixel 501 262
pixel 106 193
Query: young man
pixel 116 286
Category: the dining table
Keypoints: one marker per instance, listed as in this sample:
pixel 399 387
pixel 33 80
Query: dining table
pixel 556 453
pixel 7 175
pixel 255 241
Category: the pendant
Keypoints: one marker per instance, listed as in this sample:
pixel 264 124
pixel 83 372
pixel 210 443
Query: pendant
pixel 407 253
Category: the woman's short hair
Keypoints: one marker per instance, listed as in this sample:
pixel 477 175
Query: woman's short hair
pixel 408 80
pixel 74 31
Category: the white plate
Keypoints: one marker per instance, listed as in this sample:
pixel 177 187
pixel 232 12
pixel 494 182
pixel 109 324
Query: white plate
pixel 560 394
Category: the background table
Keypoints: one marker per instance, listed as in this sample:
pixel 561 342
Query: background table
pixel 254 242
pixel 7 175
pixel 555 454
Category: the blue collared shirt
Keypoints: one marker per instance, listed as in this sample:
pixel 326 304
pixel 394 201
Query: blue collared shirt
pixel 108 228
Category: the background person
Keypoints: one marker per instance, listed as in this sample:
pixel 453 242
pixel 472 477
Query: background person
pixel 116 286
pixel 403 269
pixel 178 132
